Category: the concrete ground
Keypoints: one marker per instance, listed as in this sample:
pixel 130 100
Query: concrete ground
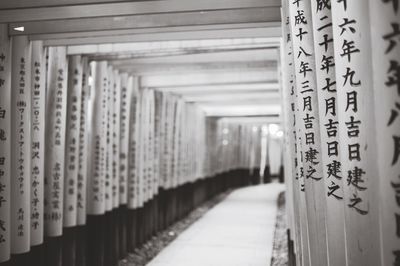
pixel 238 231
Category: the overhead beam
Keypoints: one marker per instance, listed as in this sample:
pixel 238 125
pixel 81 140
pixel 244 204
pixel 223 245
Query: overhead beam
pixel 241 110
pixel 272 28
pixel 234 93
pixel 208 78
pixel 129 58
pixel 142 47
pixel 116 9
pixel 252 119
pixel 222 87
pixel 151 69
pixel 168 36
pixel 221 57
pixel 230 16
pixel 245 97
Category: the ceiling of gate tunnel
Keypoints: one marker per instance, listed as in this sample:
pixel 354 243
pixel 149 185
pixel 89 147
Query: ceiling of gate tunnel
pixel 220 54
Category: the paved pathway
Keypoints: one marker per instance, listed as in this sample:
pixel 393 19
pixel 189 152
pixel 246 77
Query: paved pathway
pixel 237 232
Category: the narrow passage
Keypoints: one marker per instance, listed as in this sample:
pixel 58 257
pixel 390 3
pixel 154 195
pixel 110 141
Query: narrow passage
pixel 238 231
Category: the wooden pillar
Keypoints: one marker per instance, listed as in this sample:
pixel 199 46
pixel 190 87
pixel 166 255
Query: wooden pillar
pixel 157 137
pixel 330 145
pixel 96 186
pixel 56 111
pixel 304 61
pixel 139 150
pixel 20 140
pixel 116 115
pixel 109 106
pixel 290 101
pixel 353 65
pixel 5 138
pixel 133 182
pixel 38 84
pixel 126 88
pixel 72 140
pixel 385 32
pixel 137 125
pixel 84 129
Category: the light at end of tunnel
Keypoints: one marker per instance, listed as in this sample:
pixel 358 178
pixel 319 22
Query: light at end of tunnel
pixel 279 134
pixel 19 29
pixel 273 129
pixel 225 142
pixel 225 131
pixel 264 129
pixel 255 129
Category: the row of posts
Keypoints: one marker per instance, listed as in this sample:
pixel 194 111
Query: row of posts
pixel 79 138
pixel 341 95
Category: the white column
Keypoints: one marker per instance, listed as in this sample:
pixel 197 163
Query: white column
pixel 5 138
pixel 126 91
pixel 56 112
pixel 304 61
pixel 21 143
pixel 157 138
pixel 72 140
pixel 385 27
pixel 109 155
pixel 38 84
pixel 291 163
pixel 133 180
pixel 330 145
pixel 352 46
pixel 116 137
pixel 139 150
pixel 84 154
pixel 96 180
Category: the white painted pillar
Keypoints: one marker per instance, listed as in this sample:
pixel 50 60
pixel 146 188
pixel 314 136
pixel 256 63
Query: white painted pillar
pixel 84 154
pixel 5 138
pixel 163 140
pixel 157 141
pixel 56 112
pixel 21 143
pixel 385 32
pixel 304 61
pixel 289 97
pixel 126 88
pixel 352 46
pixel 96 180
pixel 133 180
pixel 152 170
pixel 139 150
pixel 38 103
pixel 330 145
pixel 72 140
pixel 109 105
pixel 116 119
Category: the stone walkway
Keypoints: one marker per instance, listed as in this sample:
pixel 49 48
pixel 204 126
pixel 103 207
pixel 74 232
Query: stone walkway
pixel 238 231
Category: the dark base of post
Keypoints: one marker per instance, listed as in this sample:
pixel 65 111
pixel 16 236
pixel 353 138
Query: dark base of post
pixel 37 255
pixel 95 240
pixel 291 255
pixel 69 246
pixel 267 175
pixel 81 246
pixel 122 214
pixel 20 259
pixel 281 174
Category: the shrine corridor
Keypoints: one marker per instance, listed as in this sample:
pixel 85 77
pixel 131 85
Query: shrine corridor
pixel 123 121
